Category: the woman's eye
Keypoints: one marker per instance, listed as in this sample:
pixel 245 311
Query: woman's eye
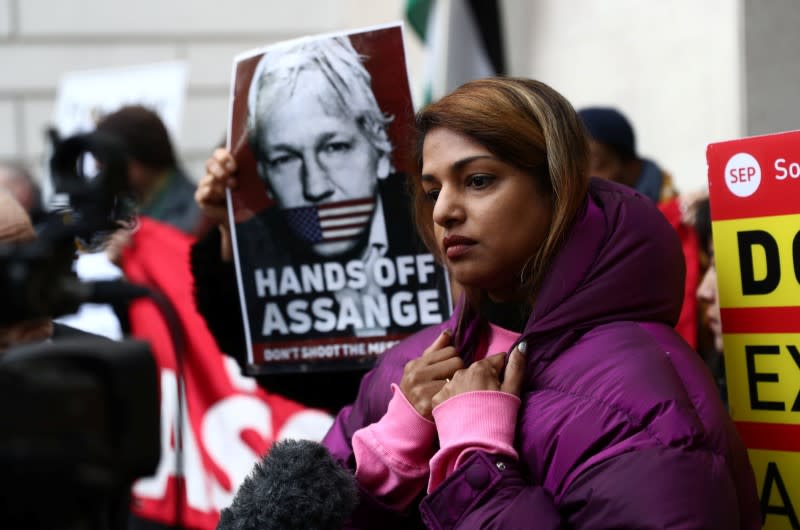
pixel 479 181
pixel 432 195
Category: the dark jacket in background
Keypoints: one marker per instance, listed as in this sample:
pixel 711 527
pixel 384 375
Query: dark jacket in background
pixel 173 203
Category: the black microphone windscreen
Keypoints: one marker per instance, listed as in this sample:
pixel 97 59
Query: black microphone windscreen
pixel 297 485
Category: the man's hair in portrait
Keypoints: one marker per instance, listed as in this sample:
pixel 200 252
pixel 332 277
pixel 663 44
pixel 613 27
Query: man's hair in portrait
pixel 276 76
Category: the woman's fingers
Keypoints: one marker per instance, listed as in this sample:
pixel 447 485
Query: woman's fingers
pixel 225 158
pixel 515 370
pixel 441 341
pixel 496 361
pixel 425 376
pixel 445 369
pixel 222 167
pixel 210 194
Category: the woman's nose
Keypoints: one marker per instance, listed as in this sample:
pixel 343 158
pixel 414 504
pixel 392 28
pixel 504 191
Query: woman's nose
pixel 707 290
pixel 447 209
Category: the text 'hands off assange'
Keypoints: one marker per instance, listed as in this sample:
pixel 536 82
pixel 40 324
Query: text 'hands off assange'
pixel 393 292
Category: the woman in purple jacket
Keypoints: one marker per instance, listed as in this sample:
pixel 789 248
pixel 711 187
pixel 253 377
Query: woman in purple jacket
pixel 601 416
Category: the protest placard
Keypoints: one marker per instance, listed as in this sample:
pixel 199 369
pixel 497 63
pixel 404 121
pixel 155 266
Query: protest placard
pixel 85 96
pixel 330 269
pixel 754 188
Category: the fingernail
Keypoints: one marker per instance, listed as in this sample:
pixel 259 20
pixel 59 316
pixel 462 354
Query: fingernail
pixel 229 165
pixel 522 346
pixel 447 331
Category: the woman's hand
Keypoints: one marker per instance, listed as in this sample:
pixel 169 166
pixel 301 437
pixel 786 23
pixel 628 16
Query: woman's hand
pixel 210 195
pixel 485 375
pixel 425 376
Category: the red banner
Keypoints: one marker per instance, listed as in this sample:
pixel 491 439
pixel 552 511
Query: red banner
pixel 227 421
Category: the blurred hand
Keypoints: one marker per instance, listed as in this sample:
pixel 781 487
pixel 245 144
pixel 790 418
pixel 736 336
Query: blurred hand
pixel 425 376
pixel 210 193
pixel 116 243
pixel 485 375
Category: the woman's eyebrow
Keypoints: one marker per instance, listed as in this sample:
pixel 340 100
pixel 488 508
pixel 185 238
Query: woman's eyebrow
pixel 464 161
pixel 458 165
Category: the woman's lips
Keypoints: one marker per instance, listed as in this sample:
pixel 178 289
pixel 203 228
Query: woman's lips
pixel 457 246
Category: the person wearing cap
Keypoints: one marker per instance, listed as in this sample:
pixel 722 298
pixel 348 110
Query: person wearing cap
pixel 613 156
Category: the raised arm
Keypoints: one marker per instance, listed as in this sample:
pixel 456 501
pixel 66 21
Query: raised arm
pixel 211 198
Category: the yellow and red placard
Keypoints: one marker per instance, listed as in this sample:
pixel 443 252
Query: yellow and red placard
pixel 754 185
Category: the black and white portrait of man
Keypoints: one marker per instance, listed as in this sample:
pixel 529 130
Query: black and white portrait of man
pixel 321 143
pixel 335 253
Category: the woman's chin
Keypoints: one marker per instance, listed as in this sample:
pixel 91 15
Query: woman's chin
pixel 484 282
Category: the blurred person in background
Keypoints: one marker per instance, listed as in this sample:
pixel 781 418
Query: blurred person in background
pixel 612 145
pixel 15 228
pixel 19 182
pixel 708 296
pixel 613 155
pixel 163 190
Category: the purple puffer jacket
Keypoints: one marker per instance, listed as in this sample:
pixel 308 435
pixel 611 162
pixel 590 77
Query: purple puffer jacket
pixel 620 424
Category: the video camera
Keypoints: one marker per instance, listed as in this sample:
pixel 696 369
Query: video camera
pixel 80 416
pixel 37 276
pixel 80 423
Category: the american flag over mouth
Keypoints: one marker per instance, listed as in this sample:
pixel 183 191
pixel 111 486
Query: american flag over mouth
pixel 333 221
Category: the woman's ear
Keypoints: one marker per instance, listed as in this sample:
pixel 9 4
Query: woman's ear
pixel 384 166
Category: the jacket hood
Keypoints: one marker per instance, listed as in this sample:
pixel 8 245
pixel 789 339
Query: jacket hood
pixel 621 261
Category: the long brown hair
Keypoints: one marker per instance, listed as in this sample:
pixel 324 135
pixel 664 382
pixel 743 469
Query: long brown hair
pixel 528 125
